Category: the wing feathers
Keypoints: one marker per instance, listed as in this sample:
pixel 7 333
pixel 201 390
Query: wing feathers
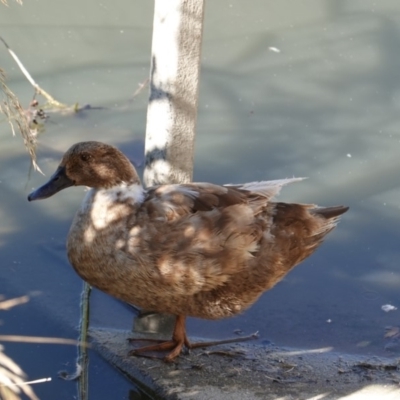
pixel 268 189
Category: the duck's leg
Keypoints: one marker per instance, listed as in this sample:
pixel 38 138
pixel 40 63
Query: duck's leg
pixel 179 339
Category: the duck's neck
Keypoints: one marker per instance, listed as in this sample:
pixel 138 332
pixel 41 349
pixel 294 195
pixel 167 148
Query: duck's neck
pixel 132 193
pixel 102 207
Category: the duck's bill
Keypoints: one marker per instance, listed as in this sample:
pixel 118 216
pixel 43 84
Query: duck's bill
pixel 57 182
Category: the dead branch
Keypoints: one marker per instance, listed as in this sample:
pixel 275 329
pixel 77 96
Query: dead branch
pixel 16 115
pixel 28 76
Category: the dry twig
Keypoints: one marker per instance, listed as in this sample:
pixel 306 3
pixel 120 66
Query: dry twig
pixel 28 76
pixel 16 115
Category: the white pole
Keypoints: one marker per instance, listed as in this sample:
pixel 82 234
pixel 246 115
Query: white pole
pixel 172 109
pixel 174 82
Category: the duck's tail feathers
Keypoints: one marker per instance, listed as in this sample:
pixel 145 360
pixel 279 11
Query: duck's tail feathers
pixel 329 212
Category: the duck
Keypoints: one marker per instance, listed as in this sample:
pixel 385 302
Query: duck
pixel 194 249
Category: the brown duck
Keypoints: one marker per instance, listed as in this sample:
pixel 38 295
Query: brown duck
pixel 197 249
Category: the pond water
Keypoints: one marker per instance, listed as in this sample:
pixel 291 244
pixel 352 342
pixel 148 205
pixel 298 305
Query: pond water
pixel 307 88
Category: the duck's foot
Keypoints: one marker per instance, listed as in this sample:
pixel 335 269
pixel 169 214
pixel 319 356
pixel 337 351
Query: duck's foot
pixel 174 347
pixel 253 336
pixel 177 344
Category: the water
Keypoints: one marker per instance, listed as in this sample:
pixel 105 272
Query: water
pixel 304 88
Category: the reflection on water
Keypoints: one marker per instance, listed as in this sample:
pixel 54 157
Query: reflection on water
pixel 308 88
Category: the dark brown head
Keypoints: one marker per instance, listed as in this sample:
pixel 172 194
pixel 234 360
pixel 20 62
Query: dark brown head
pixel 94 164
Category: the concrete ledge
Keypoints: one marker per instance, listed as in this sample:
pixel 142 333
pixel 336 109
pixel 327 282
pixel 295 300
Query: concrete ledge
pixel 253 371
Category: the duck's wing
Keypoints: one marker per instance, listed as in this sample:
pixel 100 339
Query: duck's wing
pixel 266 189
pixel 195 237
pixel 175 201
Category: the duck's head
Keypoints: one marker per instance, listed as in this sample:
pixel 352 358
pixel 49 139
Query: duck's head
pixel 94 164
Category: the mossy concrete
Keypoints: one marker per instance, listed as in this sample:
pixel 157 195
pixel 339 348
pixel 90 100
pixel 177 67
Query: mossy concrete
pixel 250 371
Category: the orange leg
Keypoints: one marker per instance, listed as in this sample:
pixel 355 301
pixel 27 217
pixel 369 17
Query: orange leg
pixel 179 340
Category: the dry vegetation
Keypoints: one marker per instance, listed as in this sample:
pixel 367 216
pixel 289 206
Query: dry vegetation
pixel 19 118
pixel 12 377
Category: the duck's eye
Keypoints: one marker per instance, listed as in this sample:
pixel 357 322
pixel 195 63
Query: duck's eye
pixel 86 157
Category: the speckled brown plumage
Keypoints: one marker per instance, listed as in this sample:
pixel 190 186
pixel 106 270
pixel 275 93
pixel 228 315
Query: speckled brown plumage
pixel 197 249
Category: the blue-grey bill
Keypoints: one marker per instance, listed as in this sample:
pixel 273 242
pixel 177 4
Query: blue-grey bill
pixel 57 182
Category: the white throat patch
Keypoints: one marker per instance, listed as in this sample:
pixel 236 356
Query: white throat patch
pixel 108 205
